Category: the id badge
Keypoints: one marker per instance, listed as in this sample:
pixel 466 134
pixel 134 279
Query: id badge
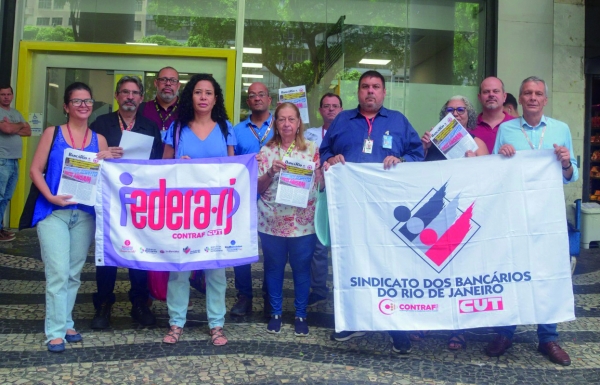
pixel 387 141
pixel 368 146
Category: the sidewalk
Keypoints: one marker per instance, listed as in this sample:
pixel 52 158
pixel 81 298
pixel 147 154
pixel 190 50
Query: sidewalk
pixel 130 354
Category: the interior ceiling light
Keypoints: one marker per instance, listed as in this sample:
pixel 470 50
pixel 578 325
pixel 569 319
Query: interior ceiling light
pixel 254 76
pixel 134 43
pixel 252 65
pixel 378 62
pixel 251 50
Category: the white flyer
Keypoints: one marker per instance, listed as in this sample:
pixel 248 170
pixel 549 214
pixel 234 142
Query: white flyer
pixel 295 182
pixel 451 138
pixel 297 96
pixel 136 146
pixel 79 175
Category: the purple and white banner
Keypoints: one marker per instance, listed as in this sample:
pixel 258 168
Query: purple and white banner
pixel 177 215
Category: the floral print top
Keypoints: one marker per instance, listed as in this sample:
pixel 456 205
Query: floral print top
pixel 279 219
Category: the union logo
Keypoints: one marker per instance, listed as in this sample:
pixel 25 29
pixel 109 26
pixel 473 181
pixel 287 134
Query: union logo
pixel 436 229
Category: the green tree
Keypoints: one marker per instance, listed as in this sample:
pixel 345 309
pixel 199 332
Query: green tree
pixel 160 40
pixel 57 33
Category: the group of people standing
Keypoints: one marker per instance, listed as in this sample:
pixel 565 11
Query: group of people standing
pixel 196 125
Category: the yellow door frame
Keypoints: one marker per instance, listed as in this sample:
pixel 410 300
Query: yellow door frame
pixel 28 49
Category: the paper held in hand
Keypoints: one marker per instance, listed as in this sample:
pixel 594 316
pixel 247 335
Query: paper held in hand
pixel 451 138
pixel 295 182
pixel 136 146
pixel 297 96
pixel 79 175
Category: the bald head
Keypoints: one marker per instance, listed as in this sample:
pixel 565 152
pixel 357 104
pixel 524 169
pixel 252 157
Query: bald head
pixel 258 100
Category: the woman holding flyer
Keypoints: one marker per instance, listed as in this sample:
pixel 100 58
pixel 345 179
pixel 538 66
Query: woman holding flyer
pixel 201 131
pixel 287 232
pixel 464 112
pixel 65 229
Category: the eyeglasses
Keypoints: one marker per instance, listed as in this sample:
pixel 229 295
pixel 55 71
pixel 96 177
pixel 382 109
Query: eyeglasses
pixel 328 106
pixel 129 92
pixel 459 110
pixel 79 102
pixel 260 95
pixel 291 120
pixel 167 80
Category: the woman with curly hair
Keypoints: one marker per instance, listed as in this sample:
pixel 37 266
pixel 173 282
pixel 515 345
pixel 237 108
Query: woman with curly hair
pixel 286 232
pixel 462 109
pixel 202 130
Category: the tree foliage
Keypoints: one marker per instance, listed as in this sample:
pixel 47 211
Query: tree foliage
pixel 57 33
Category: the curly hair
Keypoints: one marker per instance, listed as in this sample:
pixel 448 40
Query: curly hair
pixel 186 103
pixel 276 139
pixel 472 122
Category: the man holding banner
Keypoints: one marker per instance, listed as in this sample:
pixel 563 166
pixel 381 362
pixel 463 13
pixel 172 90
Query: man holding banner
pixel 371 133
pixel 535 131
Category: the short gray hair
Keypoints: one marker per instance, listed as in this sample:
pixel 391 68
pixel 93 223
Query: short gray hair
pixel 130 79
pixel 534 79
pixel 472 122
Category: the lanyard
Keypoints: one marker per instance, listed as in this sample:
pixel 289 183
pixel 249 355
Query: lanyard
pixel 166 117
pixel 260 141
pixel 529 141
pixel 322 132
pixel 289 150
pixel 73 141
pixel 370 124
pixel 123 125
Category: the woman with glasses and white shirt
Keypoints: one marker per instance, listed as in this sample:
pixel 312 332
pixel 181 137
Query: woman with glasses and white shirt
pixel 463 111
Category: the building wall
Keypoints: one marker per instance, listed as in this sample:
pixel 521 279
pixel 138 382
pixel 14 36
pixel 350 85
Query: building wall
pixel 546 38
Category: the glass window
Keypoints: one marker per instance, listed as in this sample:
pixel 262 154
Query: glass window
pixel 43 21
pixel 138 25
pixel 58 5
pixel 45 4
pixel 57 21
pixel 139 5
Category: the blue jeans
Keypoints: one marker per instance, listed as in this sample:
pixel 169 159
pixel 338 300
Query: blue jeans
pixel 276 251
pixel 243 280
pixel 9 173
pixel 65 238
pixel 319 270
pixel 546 332
pixel 178 297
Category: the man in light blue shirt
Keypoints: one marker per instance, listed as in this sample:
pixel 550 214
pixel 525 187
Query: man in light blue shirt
pixel 251 135
pixel 534 131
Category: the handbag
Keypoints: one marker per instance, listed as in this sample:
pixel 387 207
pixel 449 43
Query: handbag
pixel 322 218
pixel 34 192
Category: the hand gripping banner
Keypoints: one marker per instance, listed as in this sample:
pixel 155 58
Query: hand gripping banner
pixel 473 242
pixel 177 215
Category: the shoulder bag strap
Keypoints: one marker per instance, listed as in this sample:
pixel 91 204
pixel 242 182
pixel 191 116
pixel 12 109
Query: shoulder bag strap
pixel 56 128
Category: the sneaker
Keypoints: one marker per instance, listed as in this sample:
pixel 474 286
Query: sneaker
pixel 300 327
pixel 315 299
pixel 400 343
pixel 101 319
pixel 142 314
pixel 345 336
pixel 6 236
pixel 274 325
pixel 242 307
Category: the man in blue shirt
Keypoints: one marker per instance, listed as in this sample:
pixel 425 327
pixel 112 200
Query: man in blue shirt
pixel 251 135
pixel 534 131
pixel 371 133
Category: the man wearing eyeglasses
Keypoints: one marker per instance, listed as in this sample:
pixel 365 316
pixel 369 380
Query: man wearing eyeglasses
pixel 163 109
pixel 129 94
pixel 329 107
pixel 251 133
pixel 492 97
pixel 12 127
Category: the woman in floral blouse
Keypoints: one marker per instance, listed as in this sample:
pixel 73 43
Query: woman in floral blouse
pixel 286 231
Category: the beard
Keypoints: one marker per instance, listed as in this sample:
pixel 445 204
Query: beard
pixel 167 97
pixel 128 107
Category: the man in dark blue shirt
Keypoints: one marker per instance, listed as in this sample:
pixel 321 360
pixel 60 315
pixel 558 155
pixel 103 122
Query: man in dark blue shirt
pixel 371 133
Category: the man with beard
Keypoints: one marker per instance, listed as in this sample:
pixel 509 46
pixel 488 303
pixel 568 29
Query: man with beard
pixel 163 109
pixel 129 94
pixel 491 96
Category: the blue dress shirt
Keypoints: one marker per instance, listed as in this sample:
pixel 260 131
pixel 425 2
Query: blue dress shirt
pixel 246 141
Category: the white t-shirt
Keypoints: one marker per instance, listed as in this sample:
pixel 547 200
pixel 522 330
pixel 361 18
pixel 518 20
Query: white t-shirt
pixel 314 134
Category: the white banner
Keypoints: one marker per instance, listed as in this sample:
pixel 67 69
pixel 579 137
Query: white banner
pixel 177 215
pixel 457 244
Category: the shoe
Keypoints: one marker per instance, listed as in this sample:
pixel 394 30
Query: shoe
pixel 345 336
pixel 72 338
pixel 457 341
pixel 300 327
pixel 101 319
pixel 400 343
pixel 274 325
pixel 242 307
pixel 267 309
pixel 555 353
pixel 56 348
pixel 315 299
pixel 6 236
pixel 142 314
pixel 498 346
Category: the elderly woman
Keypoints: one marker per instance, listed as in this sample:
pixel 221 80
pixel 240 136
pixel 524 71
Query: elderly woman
pixel 462 109
pixel 65 229
pixel 201 131
pixel 286 232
